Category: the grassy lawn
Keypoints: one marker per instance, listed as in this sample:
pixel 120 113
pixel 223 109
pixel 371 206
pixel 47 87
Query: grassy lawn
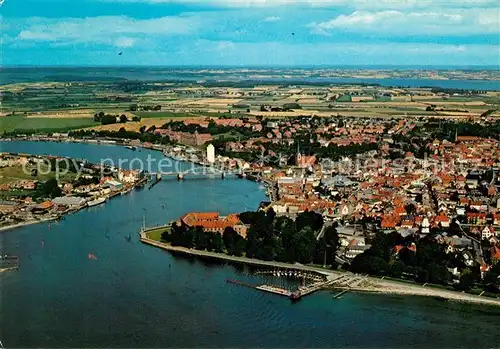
pixel 7 194
pixel 156 234
pixel 21 123
pixel 14 173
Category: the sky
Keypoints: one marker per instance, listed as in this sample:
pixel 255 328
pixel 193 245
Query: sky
pixel 250 32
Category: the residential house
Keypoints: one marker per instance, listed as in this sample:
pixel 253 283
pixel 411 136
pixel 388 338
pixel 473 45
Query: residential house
pixel 487 233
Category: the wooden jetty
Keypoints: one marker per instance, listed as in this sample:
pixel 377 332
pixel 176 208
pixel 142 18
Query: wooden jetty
pixel 9 263
pixel 340 294
pixel 157 180
pixel 265 288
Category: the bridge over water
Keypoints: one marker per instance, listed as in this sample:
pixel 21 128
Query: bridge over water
pixel 208 172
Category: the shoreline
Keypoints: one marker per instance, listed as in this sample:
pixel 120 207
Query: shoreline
pixel 125 190
pixel 225 257
pixel 27 223
pixel 98 142
pixel 375 285
pixel 397 288
pixel 120 142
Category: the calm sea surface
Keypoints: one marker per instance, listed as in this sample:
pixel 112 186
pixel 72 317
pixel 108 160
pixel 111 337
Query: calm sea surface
pixel 139 296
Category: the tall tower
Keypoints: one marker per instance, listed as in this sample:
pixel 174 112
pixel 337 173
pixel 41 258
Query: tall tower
pixel 210 153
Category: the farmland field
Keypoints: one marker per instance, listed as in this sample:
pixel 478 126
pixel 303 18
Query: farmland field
pixel 345 98
pixel 14 173
pixel 62 106
pixel 22 123
pixel 162 114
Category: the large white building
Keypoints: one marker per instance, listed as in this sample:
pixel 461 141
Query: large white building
pixel 211 153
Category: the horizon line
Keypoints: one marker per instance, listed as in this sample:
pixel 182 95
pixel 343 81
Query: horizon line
pixel 253 66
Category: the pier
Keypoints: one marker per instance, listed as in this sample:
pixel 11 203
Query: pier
pixel 340 294
pixel 9 263
pixel 265 288
pixel 318 278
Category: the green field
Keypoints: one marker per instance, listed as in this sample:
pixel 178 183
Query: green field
pixel 162 114
pixel 20 123
pixel 383 99
pixel 345 98
pixel 14 173
pixel 156 234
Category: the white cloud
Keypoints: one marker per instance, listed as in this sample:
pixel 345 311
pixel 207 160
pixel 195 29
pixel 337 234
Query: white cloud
pixel 272 19
pixel 124 42
pixel 452 22
pixel 373 4
pixel 116 30
pixel 224 45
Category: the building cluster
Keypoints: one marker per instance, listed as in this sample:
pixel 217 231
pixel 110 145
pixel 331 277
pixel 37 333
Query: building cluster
pixel 212 222
pixel 25 200
pixel 456 190
pixel 193 139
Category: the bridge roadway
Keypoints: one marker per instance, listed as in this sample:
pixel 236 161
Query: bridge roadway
pixel 196 172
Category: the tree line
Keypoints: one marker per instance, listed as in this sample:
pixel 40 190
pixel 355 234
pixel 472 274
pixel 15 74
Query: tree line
pixel 428 262
pixel 269 237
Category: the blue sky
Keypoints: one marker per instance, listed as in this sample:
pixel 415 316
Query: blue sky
pixel 250 32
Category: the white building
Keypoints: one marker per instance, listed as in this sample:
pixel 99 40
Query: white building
pixel 128 176
pixel 487 233
pixel 425 226
pixel 211 153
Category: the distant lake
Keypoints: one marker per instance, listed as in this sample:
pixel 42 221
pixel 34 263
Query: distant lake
pixel 17 75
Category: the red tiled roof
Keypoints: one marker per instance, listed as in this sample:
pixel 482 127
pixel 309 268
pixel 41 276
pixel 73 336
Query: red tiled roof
pixel 45 205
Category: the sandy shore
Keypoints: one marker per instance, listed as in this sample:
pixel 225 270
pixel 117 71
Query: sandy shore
pixel 376 285
pixel 370 284
pixel 23 224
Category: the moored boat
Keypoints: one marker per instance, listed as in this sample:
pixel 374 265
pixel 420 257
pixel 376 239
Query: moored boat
pixel 95 202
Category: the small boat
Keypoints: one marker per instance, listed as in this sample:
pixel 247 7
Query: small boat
pixel 95 202
pixel 131 147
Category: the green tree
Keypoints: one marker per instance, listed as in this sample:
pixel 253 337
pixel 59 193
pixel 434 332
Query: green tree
pixel 200 238
pixel 123 118
pixel 304 243
pixel 364 263
pixel 309 219
pixel 396 269
pixel 467 280
pixel 108 119
pixel 438 274
pixel 51 188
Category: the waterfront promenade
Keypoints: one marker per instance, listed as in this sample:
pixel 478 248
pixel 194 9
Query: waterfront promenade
pixel 369 284
pixel 330 274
